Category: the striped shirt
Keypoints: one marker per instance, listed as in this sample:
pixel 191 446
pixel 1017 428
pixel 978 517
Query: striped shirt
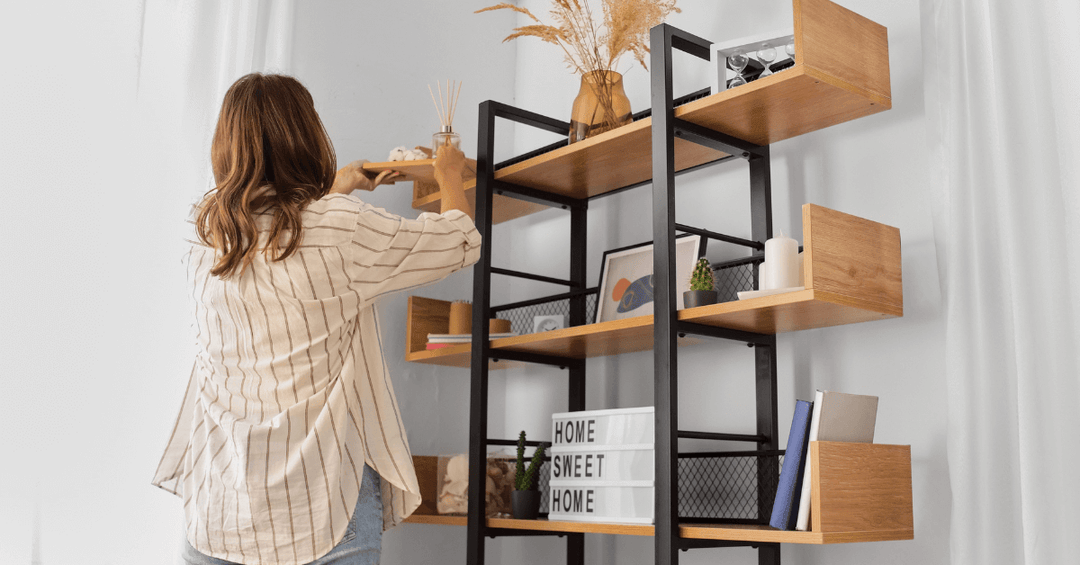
pixel 289 395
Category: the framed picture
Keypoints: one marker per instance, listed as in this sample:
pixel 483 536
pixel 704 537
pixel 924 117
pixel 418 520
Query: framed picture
pixel 626 286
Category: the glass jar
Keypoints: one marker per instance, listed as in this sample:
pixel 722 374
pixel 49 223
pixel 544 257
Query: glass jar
pixel 445 136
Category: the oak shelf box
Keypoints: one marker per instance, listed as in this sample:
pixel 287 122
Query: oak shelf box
pixel 852 274
pixel 860 493
pixel 841 74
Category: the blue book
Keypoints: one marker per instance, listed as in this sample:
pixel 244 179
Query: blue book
pixel 785 510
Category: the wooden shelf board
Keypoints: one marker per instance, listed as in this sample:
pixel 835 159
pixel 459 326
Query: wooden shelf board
pixel 444 520
pixel 793 311
pixel 420 170
pixel 779 313
pixel 455 356
pixel 726 532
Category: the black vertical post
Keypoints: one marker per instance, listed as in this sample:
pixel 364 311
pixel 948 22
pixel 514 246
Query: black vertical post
pixel 666 390
pixel 478 389
pixel 764 355
pixel 575 542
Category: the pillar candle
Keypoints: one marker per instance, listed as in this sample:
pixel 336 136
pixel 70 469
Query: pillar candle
pixel 782 257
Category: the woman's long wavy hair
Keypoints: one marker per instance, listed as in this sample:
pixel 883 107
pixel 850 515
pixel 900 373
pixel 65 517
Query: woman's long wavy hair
pixel 271 155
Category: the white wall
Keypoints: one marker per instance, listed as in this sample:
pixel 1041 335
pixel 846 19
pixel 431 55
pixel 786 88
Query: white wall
pixel 368 66
pixel 875 168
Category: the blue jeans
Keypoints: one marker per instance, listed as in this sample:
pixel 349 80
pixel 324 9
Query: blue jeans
pixel 361 545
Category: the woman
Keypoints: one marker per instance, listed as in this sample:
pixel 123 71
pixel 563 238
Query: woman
pixel 289 447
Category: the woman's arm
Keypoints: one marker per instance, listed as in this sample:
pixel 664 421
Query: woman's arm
pixel 353 177
pixel 449 164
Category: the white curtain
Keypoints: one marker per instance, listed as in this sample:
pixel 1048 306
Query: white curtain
pixel 106 116
pixel 190 53
pixel 1002 106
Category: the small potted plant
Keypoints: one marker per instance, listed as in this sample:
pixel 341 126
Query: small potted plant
pixel 525 500
pixel 702 286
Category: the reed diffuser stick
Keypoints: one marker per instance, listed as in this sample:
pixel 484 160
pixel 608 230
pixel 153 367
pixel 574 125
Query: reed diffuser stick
pixel 453 106
pixel 441 120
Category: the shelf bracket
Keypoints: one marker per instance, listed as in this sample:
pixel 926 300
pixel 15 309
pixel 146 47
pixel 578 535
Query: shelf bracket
pixel 527 194
pixel 715 140
pixel 508 532
pixel 526 357
pixel 724 333
pixel 686 544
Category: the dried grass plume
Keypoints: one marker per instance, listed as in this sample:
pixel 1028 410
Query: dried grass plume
pixel 589 45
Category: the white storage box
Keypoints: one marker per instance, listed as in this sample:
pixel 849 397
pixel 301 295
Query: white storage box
pixel 619 426
pixel 591 463
pixel 629 502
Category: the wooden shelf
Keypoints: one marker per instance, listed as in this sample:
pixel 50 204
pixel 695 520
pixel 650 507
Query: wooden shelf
pixel 422 170
pixel 842 75
pixel 852 274
pixel 862 491
pixel 725 532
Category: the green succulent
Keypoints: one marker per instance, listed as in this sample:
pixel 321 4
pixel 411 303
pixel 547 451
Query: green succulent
pixel 524 478
pixel 702 279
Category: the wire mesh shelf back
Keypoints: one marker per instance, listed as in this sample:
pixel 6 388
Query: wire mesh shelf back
pixel 732 487
pixel 521 319
pixel 734 277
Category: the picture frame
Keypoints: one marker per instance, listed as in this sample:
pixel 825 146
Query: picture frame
pixel 625 289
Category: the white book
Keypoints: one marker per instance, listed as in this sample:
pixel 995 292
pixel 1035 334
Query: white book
pixel 837 417
pixel 463 338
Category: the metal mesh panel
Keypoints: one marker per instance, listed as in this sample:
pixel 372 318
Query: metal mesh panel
pixel 720 487
pixel 725 487
pixel 545 492
pixel 732 279
pixel 521 319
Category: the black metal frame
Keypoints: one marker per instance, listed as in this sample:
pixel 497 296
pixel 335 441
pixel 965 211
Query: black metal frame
pixel 667 328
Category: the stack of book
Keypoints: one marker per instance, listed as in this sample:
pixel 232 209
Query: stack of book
pixel 439 341
pixel 833 416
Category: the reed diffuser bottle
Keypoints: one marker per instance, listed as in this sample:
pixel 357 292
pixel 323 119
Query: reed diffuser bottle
pixel 445 106
pixel 445 136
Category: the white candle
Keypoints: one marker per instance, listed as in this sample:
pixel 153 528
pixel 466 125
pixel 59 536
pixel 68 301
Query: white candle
pixel 782 256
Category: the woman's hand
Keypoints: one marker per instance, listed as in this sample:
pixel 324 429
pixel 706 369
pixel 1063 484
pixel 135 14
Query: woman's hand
pixel 449 164
pixel 353 177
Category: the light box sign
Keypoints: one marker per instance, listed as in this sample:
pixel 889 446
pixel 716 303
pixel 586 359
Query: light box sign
pixel 608 501
pixel 603 462
pixel 621 426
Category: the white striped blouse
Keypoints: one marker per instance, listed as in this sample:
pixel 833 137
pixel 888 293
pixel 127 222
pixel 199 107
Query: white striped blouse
pixel 289 395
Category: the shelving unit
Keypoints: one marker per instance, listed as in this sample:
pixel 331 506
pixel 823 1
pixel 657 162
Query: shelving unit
pixel 852 274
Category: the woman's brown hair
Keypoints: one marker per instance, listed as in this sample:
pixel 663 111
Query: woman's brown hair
pixel 270 154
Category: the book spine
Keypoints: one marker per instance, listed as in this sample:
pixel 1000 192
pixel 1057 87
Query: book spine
pixel 803 523
pixel 789 488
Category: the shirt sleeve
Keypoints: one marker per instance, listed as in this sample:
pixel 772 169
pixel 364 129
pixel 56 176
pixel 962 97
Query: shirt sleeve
pixel 388 253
